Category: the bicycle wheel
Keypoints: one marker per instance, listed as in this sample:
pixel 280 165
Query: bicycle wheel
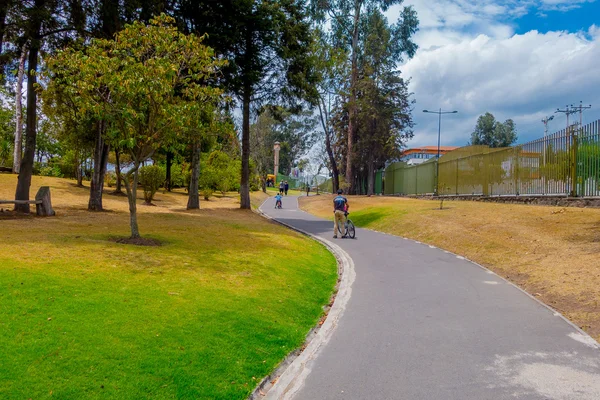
pixel 350 230
pixel 340 229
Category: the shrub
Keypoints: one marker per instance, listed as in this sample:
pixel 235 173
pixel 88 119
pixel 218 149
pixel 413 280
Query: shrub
pixel 206 193
pixel 48 170
pixel 69 164
pixel 208 178
pixel 178 178
pixel 110 178
pixel 152 177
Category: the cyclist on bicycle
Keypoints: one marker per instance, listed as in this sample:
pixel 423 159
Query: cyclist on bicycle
pixel 340 210
pixel 278 203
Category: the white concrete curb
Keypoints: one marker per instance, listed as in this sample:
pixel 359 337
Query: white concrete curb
pixel 289 377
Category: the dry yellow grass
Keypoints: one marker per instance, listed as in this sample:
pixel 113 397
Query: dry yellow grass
pixel 553 253
pixel 66 195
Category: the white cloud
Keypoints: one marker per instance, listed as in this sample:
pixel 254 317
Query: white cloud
pixel 523 77
pixel 469 59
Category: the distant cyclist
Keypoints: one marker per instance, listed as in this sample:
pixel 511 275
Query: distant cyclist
pixel 340 208
pixel 278 203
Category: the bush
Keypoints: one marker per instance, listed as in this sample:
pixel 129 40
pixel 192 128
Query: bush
pixel 110 178
pixel 178 178
pixel 69 164
pixel 152 177
pixel 206 193
pixel 48 170
pixel 255 184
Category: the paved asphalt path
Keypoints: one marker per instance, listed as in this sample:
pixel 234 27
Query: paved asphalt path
pixel 425 324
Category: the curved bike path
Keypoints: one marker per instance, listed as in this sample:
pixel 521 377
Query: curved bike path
pixel 423 323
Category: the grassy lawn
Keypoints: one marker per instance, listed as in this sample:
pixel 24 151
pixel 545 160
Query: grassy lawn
pixel 204 316
pixel 553 253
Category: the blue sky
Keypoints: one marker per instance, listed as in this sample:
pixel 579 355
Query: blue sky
pixel 574 20
pixel 518 59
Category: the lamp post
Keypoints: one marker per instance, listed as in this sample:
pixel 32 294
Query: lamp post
pixel 276 148
pixel 437 165
pixel 545 122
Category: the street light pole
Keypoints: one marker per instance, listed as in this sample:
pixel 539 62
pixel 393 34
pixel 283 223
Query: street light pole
pixel 437 165
pixel 545 121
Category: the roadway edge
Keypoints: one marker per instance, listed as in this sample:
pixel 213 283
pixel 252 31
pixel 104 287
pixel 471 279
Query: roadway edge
pixel 289 376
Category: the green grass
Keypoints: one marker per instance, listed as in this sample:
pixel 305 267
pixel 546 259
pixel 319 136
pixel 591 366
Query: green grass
pixel 205 316
pixel 292 192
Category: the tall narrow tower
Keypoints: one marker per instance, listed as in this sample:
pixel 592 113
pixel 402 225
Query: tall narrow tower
pixel 276 148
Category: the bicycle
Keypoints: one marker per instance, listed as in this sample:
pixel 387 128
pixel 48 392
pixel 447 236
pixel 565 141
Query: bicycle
pixel 348 228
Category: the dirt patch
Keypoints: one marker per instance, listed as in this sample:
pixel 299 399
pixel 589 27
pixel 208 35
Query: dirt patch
pixel 6 213
pixel 138 241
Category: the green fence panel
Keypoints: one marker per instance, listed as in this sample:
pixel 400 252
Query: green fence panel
pixel 399 180
pixel 588 160
pixel 379 182
pixel 410 181
pixel 564 163
pixel 389 179
pixel 425 177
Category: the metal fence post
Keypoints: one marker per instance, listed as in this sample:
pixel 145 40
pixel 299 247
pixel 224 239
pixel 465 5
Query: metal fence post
pixel 573 163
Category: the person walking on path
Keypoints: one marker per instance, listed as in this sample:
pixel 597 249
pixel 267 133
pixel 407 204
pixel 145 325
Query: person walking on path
pixel 281 187
pixel 340 207
pixel 286 187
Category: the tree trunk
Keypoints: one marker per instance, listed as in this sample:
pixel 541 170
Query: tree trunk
pixel 100 160
pixel 371 178
pixel 26 170
pixel 335 173
pixel 263 183
pixel 352 104
pixel 79 171
pixel 244 186
pixel 18 151
pixel 131 188
pixel 193 196
pixel 169 164
pixel 118 190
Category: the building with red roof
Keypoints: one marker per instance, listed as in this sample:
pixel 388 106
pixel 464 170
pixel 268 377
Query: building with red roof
pixel 418 155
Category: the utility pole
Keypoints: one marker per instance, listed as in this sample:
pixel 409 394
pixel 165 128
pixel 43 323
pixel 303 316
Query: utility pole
pixel 580 108
pixel 567 111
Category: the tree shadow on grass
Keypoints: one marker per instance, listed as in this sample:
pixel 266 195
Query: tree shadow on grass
pixel 368 217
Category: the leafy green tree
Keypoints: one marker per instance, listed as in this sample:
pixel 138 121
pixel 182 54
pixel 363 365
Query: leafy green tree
pixel 144 85
pixel 384 121
pixel 201 133
pixel 152 177
pixel 492 133
pixel 267 42
pixel 6 135
pixel 347 20
pixel 331 66
pixel 38 23
pixel 295 133
pixel 261 146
